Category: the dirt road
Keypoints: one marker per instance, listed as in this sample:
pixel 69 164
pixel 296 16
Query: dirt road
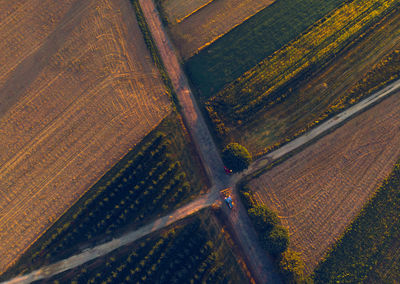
pixel 103 249
pixel 323 128
pixel 262 268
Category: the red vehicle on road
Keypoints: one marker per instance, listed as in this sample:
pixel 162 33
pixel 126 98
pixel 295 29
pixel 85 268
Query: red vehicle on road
pixel 227 171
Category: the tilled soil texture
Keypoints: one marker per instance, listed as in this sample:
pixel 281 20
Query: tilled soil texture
pixel 210 21
pixel 78 89
pixel 320 190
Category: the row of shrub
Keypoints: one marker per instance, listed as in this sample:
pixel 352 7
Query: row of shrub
pixel 148 184
pixel 274 238
pixel 368 251
pixel 184 254
pixel 270 81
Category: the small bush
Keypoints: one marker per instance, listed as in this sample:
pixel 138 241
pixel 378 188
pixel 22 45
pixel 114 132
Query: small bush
pixel 277 240
pixel 236 157
pixel 274 237
pixel 292 267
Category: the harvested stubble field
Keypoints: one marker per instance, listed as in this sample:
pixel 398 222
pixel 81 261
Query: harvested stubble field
pixel 319 191
pixel 209 21
pixel 78 89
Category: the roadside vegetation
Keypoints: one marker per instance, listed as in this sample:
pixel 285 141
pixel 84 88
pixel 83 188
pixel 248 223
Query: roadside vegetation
pixel 148 39
pixel 252 41
pixel 158 175
pixel 269 82
pixel 369 250
pixel 236 157
pixel 197 251
pixel 273 237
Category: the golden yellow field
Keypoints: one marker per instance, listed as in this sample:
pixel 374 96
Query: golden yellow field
pixel 320 190
pixel 204 26
pixel 78 89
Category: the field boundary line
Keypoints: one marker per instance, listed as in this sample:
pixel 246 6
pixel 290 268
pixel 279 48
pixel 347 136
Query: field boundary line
pixel 194 11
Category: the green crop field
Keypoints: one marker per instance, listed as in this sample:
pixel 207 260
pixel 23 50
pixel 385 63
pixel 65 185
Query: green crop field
pixel 259 114
pixel 194 252
pixel 369 251
pixel 152 179
pixel 255 39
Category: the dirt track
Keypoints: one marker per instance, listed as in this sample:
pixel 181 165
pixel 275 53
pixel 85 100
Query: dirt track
pixel 320 190
pixel 77 90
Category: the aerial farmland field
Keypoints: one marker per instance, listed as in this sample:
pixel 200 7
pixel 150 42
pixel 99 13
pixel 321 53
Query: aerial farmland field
pixel 198 24
pixel 270 103
pixel 195 250
pixel 319 191
pixel 252 41
pixel 78 89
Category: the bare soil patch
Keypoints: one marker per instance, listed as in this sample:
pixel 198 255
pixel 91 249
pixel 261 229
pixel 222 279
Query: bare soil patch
pixel 319 191
pixel 78 89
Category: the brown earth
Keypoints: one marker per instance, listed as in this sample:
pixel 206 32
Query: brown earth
pixel 78 89
pixel 319 191
pixel 211 22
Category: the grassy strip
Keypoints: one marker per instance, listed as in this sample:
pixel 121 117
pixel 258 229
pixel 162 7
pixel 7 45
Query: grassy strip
pixel 153 178
pixel 148 39
pixel 373 235
pixel 194 252
pixel 249 43
pixel 269 82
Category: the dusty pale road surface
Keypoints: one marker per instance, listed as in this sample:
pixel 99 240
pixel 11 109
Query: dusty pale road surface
pixel 78 89
pixel 319 191
pixel 323 128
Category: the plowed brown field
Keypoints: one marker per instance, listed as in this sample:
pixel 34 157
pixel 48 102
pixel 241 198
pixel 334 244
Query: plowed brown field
pixel 319 191
pixel 201 27
pixel 78 88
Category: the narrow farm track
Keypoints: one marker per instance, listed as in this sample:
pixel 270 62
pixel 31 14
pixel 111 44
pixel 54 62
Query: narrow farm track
pixel 259 264
pixel 103 249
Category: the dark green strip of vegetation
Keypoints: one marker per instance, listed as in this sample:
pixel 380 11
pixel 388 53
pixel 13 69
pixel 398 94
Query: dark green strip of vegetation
pixel 252 41
pixel 273 237
pixel 148 39
pixel 185 254
pixel 368 241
